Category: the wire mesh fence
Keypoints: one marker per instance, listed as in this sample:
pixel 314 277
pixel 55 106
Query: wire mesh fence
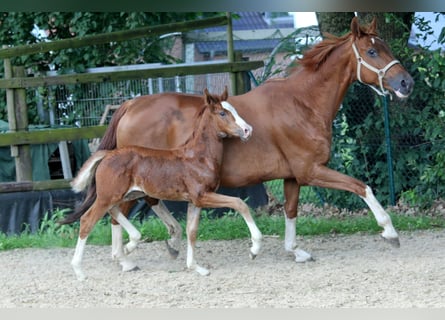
pixel 85 104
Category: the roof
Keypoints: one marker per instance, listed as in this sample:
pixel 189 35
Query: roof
pixel 245 21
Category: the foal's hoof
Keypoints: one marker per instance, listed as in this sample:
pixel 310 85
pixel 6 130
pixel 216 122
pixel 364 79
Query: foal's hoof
pixel 395 242
pixel 252 256
pixel 172 251
pixel 136 268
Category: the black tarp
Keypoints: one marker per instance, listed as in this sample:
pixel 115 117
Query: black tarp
pixel 20 211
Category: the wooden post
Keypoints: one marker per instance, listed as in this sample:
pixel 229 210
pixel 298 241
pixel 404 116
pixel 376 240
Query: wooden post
pixel 231 52
pixel 242 81
pixel 23 164
pixel 10 103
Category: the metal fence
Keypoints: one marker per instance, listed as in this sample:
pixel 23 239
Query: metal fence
pixel 85 104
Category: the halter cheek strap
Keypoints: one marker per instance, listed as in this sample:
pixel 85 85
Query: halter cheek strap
pixel 380 72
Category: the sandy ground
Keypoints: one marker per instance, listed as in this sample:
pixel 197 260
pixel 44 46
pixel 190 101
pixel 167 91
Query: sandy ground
pixel 349 271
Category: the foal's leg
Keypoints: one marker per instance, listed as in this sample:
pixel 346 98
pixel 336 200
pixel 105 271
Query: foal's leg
pixel 173 226
pixel 216 200
pixel 328 178
pixel 87 222
pixel 292 194
pixel 134 236
pixel 117 242
pixel 193 214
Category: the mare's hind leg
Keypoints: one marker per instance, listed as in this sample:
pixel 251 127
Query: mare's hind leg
pixel 328 178
pixel 291 194
pixel 173 226
pixel 193 214
pixel 87 222
pixel 215 200
pixel 134 236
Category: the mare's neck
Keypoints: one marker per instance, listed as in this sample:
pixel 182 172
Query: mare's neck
pixel 329 83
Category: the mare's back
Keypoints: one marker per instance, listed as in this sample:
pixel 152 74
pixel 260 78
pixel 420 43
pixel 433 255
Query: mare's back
pixel 162 121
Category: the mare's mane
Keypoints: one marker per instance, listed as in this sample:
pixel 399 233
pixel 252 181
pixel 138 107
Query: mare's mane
pixel 316 56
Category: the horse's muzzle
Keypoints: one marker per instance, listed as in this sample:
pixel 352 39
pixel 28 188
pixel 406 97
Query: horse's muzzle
pixel 246 133
pixel 402 85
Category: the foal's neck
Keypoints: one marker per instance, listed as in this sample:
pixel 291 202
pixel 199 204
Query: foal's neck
pixel 204 141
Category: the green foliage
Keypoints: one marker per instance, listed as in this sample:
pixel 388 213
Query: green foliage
pixel 229 226
pixel 16 30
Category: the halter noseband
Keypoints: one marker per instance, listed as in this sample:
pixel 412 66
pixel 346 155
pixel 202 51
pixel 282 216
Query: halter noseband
pixel 380 72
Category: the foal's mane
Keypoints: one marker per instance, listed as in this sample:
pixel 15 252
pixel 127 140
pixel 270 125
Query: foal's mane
pixel 316 56
pixel 198 118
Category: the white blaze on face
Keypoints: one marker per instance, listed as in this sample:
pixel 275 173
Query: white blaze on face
pixel 238 120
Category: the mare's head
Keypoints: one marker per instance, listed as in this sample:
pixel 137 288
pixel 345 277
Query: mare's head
pixel 371 60
pixel 225 117
pixel 375 63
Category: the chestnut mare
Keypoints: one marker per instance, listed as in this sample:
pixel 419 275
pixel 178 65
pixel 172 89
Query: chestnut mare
pixel 187 173
pixel 293 126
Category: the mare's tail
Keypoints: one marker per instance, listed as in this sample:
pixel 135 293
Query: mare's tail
pixel 108 142
pixel 85 178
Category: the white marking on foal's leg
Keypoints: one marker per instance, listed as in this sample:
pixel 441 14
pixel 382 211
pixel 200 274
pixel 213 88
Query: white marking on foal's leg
pixel 256 237
pixel 134 235
pixel 383 219
pixel 290 241
pixel 117 248
pixel 193 213
pixel 77 258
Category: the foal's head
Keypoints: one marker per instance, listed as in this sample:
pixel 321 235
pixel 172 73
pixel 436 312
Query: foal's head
pixel 225 117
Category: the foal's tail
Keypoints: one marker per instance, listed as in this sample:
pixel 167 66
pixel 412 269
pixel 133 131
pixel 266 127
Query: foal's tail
pixel 85 178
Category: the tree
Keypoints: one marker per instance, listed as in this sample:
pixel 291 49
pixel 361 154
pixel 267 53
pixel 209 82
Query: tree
pixel 16 30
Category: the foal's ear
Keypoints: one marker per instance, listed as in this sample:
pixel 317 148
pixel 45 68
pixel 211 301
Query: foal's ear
pixel 225 94
pixel 207 97
pixel 372 29
pixel 355 28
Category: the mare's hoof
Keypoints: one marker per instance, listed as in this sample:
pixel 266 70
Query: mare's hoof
pixel 172 251
pixel 136 268
pixel 252 256
pixel 395 242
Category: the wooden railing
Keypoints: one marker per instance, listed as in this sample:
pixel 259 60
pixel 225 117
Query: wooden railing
pixel 16 82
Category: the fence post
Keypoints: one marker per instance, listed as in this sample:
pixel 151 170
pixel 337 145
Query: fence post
pixel 23 164
pixel 231 52
pixel 392 198
pixel 242 79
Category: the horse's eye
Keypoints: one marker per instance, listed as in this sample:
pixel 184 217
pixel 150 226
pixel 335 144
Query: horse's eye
pixel 222 113
pixel 372 52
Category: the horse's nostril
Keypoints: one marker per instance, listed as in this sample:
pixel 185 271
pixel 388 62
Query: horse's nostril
pixel 403 84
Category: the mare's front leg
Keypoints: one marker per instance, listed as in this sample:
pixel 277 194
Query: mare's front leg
pixel 121 252
pixel 193 214
pixel 291 195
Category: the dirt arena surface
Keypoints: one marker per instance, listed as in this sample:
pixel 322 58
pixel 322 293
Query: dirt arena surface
pixel 358 270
